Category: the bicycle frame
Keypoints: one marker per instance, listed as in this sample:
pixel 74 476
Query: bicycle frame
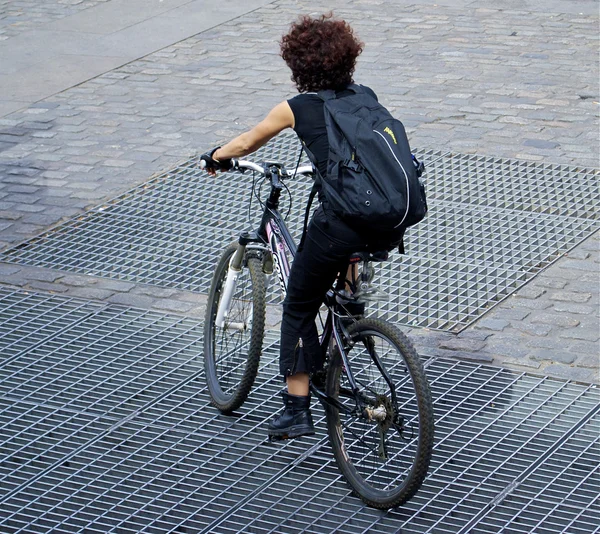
pixel 367 426
pixel 274 236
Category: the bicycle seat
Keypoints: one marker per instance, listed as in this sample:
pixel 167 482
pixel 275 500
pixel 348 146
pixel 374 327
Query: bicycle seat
pixel 380 255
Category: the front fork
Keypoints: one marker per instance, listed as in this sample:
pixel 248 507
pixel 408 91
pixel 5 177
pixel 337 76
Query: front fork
pixel 233 272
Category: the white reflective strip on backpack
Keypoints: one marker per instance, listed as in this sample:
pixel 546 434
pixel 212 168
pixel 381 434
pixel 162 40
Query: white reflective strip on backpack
pixel 405 176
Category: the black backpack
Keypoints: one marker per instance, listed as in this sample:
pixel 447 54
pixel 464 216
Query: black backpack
pixel 372 179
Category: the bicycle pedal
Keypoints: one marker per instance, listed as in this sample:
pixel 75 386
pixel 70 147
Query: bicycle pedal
pixel 275 439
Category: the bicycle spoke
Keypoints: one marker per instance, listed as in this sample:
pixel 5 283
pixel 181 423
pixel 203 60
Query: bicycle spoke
pixel 358 437
pixel 232 352
pixel 379 457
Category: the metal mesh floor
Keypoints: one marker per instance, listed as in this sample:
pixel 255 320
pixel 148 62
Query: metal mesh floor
pixel 106 428
pixel 493 224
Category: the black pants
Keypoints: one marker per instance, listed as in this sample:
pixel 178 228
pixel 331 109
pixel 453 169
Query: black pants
pixel 327 246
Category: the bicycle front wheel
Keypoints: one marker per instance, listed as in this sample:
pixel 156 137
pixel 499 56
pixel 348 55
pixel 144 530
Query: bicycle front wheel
pixel 232 351
pixel 382 444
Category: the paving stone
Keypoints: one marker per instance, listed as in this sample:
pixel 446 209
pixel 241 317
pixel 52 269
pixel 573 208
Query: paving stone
pixel 474 357
pixel 115 285
pixel 55 175
pixel 42 275
pixel 581 286
pixel 39 220
pixel 154 291
pixel 523 364
pixel 476 335
pixel 547 342
pixel 77 281
pixel 462 344
pixel 533 329
pixel 135 301
pixel 590 360
pixel 26 231
pixel 7 269
pixel 561 356
pixel 29 208
pixel 429 338
pixel 567 372
pixel 530 304
pixel 579 254
pixel 24 171
pixel 22 199
pixel 117 163
pixel 507 346
pixel 554 319
pixel 509 314
pixel 491 324
pixel 588 264
pixel 592 244
pixel 195 298
pixel 46 182
pixel 20 179
pixel 78 169
pixel 22 189
pixel 550 283
pixel 49 287
pixel 530 292
pixel 93 293
pixel 89 195
pixel 585 349
pixel 173 305
pixel 585 333
pixel 570 296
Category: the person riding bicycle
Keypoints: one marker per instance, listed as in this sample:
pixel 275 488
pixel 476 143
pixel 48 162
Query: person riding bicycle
pixel 321 53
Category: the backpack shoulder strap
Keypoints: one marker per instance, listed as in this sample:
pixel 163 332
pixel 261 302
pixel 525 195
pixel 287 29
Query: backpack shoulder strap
pixel 311 197
pixel 326 94
pixel 329 94
pixel 358 89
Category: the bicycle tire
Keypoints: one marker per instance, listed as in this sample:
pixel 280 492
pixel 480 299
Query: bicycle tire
pixel 232 355
pixel 355 440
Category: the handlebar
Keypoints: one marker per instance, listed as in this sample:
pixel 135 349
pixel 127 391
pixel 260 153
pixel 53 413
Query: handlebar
pixel 241 165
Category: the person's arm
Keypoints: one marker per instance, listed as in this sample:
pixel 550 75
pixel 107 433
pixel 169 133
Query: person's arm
pixel 278 119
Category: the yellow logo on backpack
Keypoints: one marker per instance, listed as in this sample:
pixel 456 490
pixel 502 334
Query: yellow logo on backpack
pixel 388 131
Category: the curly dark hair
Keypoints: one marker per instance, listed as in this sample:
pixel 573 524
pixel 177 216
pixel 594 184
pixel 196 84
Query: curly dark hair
pixel 321 53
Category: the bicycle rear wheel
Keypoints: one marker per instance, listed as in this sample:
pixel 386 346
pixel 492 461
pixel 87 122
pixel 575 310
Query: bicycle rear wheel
pixel 232 352
pixel 384 455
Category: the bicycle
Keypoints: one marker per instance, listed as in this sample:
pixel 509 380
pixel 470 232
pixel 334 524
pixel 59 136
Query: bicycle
pixel 373 387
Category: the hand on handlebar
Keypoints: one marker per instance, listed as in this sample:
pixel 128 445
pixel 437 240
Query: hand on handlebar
pixel 212 165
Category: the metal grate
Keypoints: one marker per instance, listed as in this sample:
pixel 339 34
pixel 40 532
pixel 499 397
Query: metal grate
pixel 516 185
pixel 560 496
pixel 493 224
pixel 130 444
pixel 26 320
pixel 441 294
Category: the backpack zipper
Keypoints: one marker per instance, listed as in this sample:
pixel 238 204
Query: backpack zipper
pixel 405 176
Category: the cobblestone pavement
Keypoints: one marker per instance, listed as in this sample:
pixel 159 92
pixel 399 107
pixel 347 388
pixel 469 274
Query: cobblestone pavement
pixel 23 15
pixel 465 77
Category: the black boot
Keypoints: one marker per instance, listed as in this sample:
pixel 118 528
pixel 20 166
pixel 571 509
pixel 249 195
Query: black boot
pixel 295 421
